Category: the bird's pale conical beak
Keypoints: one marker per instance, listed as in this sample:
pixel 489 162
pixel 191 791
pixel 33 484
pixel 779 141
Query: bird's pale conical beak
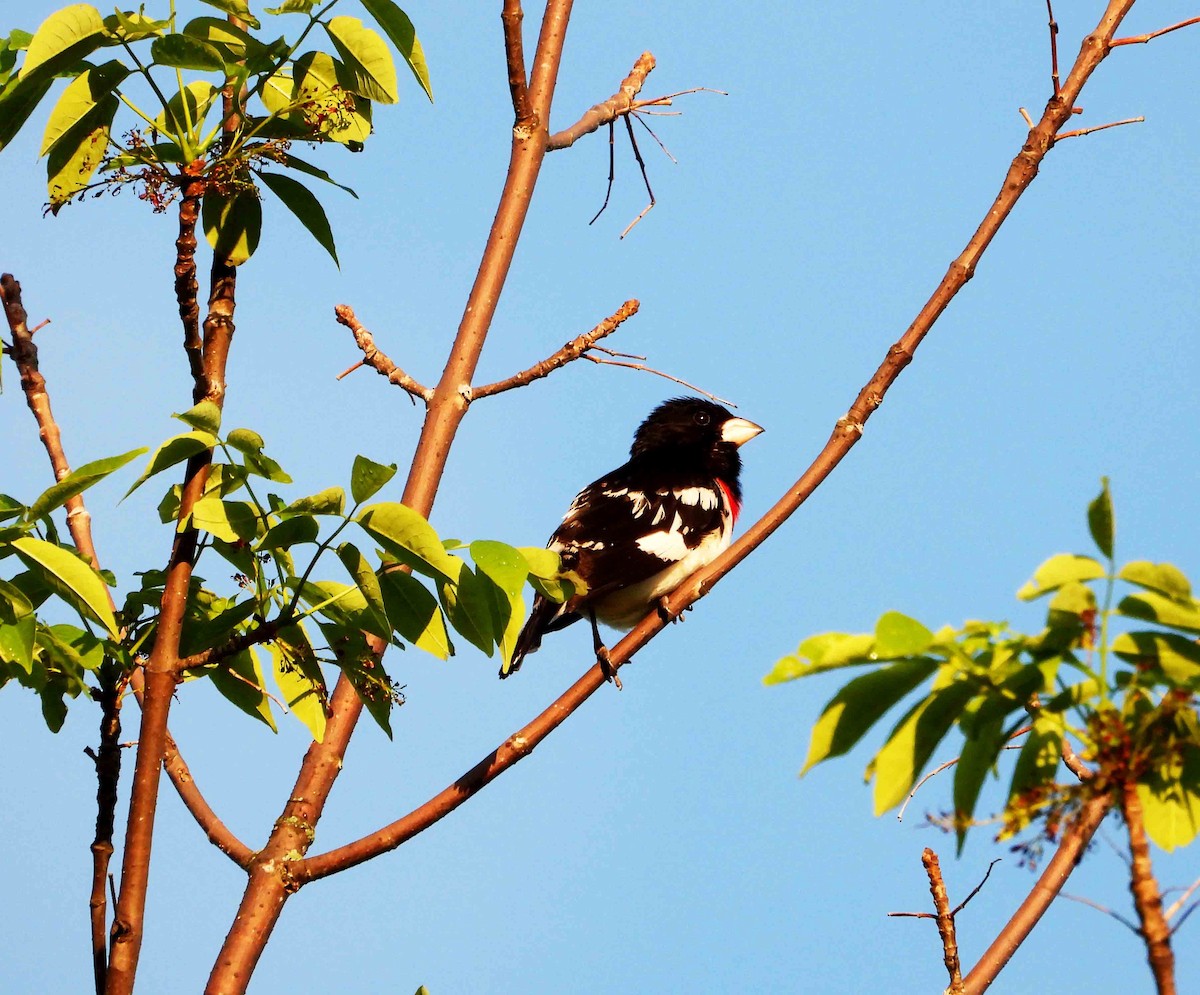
pixel 739 431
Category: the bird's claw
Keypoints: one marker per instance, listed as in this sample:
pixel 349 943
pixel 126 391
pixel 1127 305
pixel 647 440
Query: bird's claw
pixel 606 666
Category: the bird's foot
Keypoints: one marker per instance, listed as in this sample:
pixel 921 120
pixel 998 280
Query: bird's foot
pixel 664 612
pixel 606 666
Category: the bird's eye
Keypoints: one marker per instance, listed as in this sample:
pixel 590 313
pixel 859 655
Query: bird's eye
pixel 702 418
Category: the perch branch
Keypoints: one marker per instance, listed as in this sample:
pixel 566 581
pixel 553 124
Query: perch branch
pixel 375 359
pixel 945 920
pixel 846 433
pixel 607 111
pixel 1053 48
pixel 573 350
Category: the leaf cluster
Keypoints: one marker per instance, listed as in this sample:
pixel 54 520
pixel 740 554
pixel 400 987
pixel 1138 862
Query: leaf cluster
pixel 1119 678
pixel 215 99
pixel 389 576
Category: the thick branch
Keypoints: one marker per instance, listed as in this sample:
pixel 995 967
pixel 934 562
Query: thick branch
pixel 375 359
pixel 945 919
pixel 162 669
pixel 1075 839
pixel 846 433
pixel 271 879
pixel 186 287
pixel 608 110
pixel 568 353
pixel 1146 898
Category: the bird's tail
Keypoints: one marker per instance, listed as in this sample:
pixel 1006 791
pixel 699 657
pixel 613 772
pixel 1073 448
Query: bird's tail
pixel 537 625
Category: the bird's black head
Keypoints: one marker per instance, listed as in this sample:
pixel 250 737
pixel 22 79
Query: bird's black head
pixel 695 431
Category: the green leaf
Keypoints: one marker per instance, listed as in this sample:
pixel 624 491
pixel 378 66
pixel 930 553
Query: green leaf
pixel 299 678
pixel 226 37
pixel 263 466
pixel 1171 806
pixel 186 52
pixel 200 95
pixel 331 501
pixel 324 90
pixel 67 573
pixel 1063 568
pixel 16 642
pixel 64 38
pixel 200 634
pixel 203 417
pixel 14 603
pixel 403 35
pixel 78 154
pixel 1165 578
pixel 897 635
pixel 245 441
pixel 18 101
pixel 861 703
pixel 374 688
pixel 232 223
pixel 1177 656
pixel 1153 607
pixel 298 199
pixel 292 7
pixel 414 612
pixel 368 584
pixel 1100 520
pixel 86 650
pixel 84 94
pixel 231 521
pixel 407 535
pixel 238 8
pixel 367 57
pixel 825 651
pixel 130 26
pixel 240 679
pixel 78 481
pixel 898 765
pixel 468 606
pixel 978 756
pixel 310 170
pixel 290 532
pixel 1040 755
pixel 367 477
pixel 501 563
pixel 174 451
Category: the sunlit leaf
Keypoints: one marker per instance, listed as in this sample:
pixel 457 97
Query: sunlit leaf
pixel 1153 607
pixel 68 574
pixel 367 57
pixel 231 521
pixel 367 477
pixel 1100 520
pixel 299 678
pixel 1177 656
pixel 240 679
pixel 368 585
pixel 191 104
pixel 414 612
pixel 897 635
pixel 406 534
pixel 173 452
pixel 204 417
pixel 78 481
pixel 238 8
pixel 1165 578
pixel 63 38
pixel 81 97
pixel 399 29
pixel 291 532
pixel 1063 568
pixel 331 501
pixel 77 154
pixel 186 52
pixel 232 223
pixel 825 651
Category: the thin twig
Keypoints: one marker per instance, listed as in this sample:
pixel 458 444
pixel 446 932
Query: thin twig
pixel 1053 48
pixel 377 360
pixel 1025 115
pixel 1142 39
pixel 575 349
pixel 658 373
pixel 611 174
pixel 979 887
pixel 917 787
pixel 666 151
pixel 1080 132
pixel 1182 900
pixel 645 179
pixel 1101 908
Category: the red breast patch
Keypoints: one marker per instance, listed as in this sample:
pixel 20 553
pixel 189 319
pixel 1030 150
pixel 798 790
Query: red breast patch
pixel 735 506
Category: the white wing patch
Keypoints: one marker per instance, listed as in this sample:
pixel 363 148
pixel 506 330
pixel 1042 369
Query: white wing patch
pixel 667 544
pixel 703 497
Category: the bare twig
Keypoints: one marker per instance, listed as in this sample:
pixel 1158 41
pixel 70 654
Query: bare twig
pixel 977 889
pixel 1072 762
pixel 1080 132
pixel 1142 39
pixel 945 920
pixel 658 373
pixel 1053 48
pixel 108 773
pixel 917 787
pixel 511 16
pixel 611 174
pixel 645 179
pixel 1181 901
pixel 1025 115
pixel 378 361
pixel 262 633
pixel 575 349
pixel 1102 908
pixel 608 110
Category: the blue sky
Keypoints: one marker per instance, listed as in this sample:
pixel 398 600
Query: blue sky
pixel 660 841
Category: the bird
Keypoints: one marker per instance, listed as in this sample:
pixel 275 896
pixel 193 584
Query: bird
pixel 636 533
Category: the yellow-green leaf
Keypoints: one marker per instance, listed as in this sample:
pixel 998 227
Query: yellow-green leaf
pixel 399 29
pixel 65 569
pixel 80 98
pixel 1063 568
pixel 232 223
pixel 70 33
pixel 367 57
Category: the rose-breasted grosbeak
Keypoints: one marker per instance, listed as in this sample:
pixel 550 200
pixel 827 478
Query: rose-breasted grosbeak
pixel 636 533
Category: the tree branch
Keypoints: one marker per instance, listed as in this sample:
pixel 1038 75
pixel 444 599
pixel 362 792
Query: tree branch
pixel 945 920
pixel 1142 39
pixel 374 358
pixel 573 350
pixel 607 111
pixel 846 433
pixel 511 17
pixel 1146 899
pixel 271 878
pixel 193 184
pixel 107 759
pixel 1071 847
